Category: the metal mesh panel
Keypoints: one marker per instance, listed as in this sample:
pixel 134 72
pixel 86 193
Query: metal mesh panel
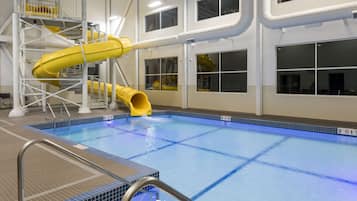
pixel 43 8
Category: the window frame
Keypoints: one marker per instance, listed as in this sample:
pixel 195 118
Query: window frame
pixel 315 68
pixel 220 72
pixel 160 74
pixel 219 11
pixel 160 19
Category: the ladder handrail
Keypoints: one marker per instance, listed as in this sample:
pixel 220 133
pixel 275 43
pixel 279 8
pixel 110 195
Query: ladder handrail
pixel 51 110
pixel 59 148
pixel 152 181
pixel 53 115
pixel 67 111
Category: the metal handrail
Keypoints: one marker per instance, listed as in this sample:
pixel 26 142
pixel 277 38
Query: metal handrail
pixel 53 115
pixel 20 156
pixel 51 110
pixel 66 109
pixel 67 112
pixel 152 181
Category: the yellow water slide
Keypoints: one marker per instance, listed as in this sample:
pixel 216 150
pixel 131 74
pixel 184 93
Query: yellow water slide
pixel 50 66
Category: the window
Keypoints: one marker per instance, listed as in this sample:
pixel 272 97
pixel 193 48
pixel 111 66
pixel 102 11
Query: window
pixel 213 8
pixel 282 1
pixel 328 68
pixel 169 18
pixel 161 73
pixel 296 82
pixel 152 22
pixel 161 20
pixel 222 72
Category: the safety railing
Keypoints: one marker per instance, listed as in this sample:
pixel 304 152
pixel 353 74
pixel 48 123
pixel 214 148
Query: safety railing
pixel 99 94
pixel 42 8
pixel 152 181
pixel 20 165
pixel 68 114
pixel 138 186
pixel 53 115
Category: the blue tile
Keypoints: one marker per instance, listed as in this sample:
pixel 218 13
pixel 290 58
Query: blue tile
pixel 325 158
pixel 171 130
pixel 258 182
pixel 236 142
pixel 188 169
pixel 126 145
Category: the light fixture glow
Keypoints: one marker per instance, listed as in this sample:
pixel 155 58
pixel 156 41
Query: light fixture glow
pixel 114 17
pixel 154 4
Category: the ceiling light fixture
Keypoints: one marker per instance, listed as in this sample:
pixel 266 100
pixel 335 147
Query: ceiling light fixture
pixel 114 17
pixel 154 4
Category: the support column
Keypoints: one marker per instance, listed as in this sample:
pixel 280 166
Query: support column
pixel 113 104
pixel 186 60
pixel 84 107
pixel 43 97
pixel 16 108
pixel 259 71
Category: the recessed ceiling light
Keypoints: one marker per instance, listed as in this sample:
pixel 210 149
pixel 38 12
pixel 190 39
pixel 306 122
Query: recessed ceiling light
pixel 154 4
pixel 114 17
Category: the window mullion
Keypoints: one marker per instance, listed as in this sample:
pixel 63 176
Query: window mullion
pixel 219 72
pixel 219 7
pixel 160 26
pixel 316 77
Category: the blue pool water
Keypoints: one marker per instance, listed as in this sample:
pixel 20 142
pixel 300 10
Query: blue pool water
pixel 210 160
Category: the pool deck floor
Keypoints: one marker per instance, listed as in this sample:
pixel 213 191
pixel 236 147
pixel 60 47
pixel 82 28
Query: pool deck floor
pixel 50 176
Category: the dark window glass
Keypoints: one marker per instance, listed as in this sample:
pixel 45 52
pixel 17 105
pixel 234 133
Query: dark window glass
pixel 229 6
pixel 207 82
pixel 152 22
pixel 282 1
pixel 296 82
pixel 207 9
pixel 337 82
pixel 169 82
pixel 337 54
pixel 152 66
pixel 234 61
pixel 234 82
pixel 93 70
pixel 169 18
pixel 169 65
pixel 152 82
pixel 299 56
pixel 207 62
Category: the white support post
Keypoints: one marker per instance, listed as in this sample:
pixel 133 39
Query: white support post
pixel 113 104
pixel 186 60
pixel 84 109
pixel 259 71
pixel 43 98
pixel 107 64
pixel 184 104
pixel 16 109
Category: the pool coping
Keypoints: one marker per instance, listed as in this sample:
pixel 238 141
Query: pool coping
pixel 229 118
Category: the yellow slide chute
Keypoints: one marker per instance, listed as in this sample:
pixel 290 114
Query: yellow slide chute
pixel 50 66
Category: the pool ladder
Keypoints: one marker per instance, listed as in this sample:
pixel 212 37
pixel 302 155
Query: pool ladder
pixel 53 116
pixel 134 188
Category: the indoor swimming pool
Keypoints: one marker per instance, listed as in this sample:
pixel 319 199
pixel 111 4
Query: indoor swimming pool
pixel 210 160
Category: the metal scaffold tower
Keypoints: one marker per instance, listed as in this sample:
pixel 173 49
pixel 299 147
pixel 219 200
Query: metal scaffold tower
pixel 48 15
